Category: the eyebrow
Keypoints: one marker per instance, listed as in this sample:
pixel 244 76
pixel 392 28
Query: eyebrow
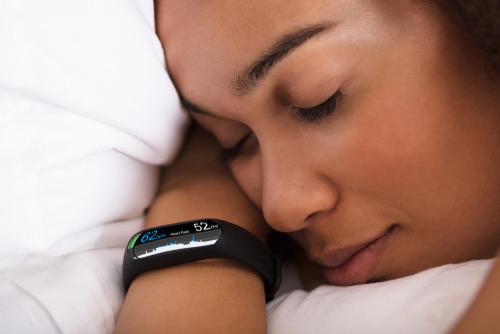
pixel 250 78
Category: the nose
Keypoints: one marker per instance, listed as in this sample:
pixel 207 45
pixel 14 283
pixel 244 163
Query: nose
pixel 295 192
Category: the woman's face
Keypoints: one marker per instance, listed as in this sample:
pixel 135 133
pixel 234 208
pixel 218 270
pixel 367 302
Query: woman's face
pixel 364 129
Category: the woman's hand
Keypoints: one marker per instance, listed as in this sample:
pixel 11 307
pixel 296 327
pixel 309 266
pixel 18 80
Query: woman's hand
pixel 211 296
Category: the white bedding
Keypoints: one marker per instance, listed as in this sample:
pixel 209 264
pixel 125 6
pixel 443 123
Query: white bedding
pixel 87 116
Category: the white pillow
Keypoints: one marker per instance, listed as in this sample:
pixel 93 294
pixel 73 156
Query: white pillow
pixel 428 302
pixel 87 117
pixel 87 113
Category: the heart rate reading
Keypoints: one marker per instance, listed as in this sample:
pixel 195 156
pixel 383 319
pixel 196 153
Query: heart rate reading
pixel 191 240
pixel 205 226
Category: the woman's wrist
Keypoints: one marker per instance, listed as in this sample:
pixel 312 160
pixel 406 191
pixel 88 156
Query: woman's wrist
pixel 198 186
pixel 210 198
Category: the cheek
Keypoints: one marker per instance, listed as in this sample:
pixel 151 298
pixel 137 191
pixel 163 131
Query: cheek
pixel 408 147
pixel 399 128
pixel 397 147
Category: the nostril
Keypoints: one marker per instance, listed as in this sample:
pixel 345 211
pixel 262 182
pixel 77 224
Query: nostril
pixel 311 217
pixel 314 216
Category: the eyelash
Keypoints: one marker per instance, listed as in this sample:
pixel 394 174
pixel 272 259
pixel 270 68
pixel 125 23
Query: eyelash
pixel 307 115
pixel 319 112
pixel 229 154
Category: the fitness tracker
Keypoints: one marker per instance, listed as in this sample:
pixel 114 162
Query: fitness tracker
pixel 188 241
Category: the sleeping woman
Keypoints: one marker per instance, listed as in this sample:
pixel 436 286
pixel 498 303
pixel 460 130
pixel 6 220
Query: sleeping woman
pixel 368 132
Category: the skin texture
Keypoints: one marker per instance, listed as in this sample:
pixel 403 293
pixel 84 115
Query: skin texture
pixel 414 142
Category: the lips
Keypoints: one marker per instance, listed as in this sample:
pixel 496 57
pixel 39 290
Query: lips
pixel 355 264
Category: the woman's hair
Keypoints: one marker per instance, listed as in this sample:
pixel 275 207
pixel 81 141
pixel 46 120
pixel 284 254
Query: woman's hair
pixel 480 19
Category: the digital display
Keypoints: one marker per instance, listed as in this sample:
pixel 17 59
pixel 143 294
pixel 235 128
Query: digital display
pixel 175 237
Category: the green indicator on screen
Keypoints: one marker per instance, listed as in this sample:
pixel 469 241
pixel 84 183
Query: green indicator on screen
pixel 132 241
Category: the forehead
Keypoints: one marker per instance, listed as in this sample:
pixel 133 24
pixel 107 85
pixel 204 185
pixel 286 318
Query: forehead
pixel 207 43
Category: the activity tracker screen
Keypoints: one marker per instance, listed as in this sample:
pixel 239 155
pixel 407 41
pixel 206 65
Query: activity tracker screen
pixel 175 237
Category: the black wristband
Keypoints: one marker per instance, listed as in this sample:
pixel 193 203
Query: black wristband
pixel 194 240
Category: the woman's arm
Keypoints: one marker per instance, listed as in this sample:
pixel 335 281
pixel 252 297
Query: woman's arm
pixel 211 296
pixel 482 316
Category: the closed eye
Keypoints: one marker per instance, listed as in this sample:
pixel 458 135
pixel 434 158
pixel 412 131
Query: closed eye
pixel 307 115
pixel 229 154
pixel 319 112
